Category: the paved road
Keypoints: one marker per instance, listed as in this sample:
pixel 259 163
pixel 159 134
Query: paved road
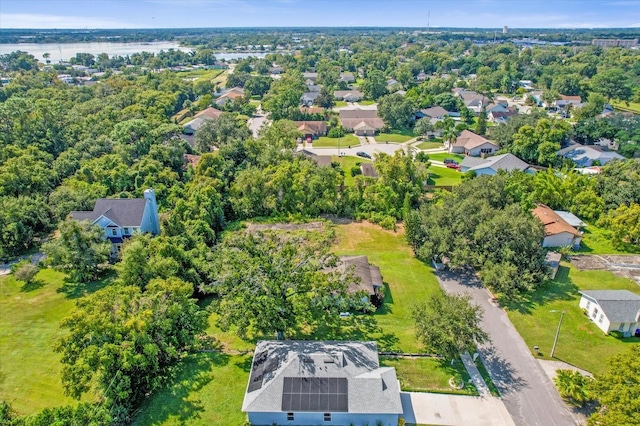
pixel 527 392
pixel 256 122
pixel 368 148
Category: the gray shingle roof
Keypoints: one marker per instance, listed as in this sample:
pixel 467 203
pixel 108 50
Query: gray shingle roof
pixel 507 162
pixel 370 276
pixel 617 305
pixel 371 388
pixel 121 211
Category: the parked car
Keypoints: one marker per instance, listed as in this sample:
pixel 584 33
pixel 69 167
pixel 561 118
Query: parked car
pixel 450 161
pixel 363 154
pixel 453 166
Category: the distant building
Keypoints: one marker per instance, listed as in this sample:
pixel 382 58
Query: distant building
pixel 491 165
pixel 557 231
pixel 505 29
pixel 613 42
pixel 586 155
pixel 469 143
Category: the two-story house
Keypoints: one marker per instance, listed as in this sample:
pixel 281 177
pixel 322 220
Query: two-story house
pixel 123 217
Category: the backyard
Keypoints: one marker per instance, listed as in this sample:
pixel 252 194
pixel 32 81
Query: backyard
pixel 580 342
pixel 345 141
pixel 346 164
pixel 597 240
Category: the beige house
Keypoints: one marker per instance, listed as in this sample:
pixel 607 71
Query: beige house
pixel 363 122
pixel 469 143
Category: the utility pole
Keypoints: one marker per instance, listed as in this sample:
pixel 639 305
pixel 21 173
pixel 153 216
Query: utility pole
pixel 555 341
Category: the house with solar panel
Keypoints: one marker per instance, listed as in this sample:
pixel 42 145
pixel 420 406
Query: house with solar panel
pixel 321 382
pixel 121 218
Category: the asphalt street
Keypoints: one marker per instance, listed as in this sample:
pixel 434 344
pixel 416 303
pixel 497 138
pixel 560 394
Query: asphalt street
pixel 526 391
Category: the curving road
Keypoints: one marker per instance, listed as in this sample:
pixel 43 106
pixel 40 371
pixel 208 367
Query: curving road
pixel 527 392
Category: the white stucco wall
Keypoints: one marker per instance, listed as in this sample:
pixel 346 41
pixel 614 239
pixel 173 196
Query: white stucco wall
pixel 314 419
pixel 475 152
pixel 559 240
pixel 485 171
pixel 590 306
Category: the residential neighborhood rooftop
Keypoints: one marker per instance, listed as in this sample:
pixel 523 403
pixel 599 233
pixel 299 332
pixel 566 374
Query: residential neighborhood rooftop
pixel 618 305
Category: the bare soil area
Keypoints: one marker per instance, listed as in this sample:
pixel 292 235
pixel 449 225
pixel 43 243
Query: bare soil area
pixel 627 266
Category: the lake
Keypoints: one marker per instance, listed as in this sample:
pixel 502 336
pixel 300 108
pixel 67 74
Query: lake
pixel 64 51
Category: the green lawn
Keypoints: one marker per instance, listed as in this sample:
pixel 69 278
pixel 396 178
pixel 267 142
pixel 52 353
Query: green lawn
pixel 581 343
pixel 208 390
pixel 394 137
pixel 29 318
pixel 346 163
pixel 367 102
pixel 344 142
pixel 429 375
pixel 598 240
pixel 633 106
pixel 340 104
pixel 429 145
pixel 443 176
pixel 200 74
pixel 440 156
pixel 407 281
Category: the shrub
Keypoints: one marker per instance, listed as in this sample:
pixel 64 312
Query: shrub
pixel 356 171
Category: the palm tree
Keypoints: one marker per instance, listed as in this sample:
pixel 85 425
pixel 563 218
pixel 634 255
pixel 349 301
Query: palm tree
pixel 46 57
pixel 572 386
pixel 449 135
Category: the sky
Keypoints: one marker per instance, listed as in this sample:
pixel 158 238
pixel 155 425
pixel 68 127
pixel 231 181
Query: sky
pixel 319 13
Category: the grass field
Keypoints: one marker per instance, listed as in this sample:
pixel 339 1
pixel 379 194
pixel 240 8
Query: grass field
pixel 440 156
pixel 580 343
pixel 632 107
pixel 340 104
pixel 346 163
pixel 200 74
pixel 429 374
pixel 394 137
pixel 208 390
pixel 443 176
pixel 598 240
pixel 366 102
pixel 345 141
pixel 29 319
pixel 407 280
pixel 429 145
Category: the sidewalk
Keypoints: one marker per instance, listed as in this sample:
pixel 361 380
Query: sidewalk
pixel 476 377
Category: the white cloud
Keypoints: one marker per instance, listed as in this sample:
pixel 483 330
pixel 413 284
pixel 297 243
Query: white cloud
pixel 34 20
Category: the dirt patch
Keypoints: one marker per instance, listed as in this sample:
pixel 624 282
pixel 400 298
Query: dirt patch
pixel 311 226
pixel 627 266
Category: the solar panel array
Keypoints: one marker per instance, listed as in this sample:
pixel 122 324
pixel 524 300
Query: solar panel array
pixel 315 394
pixel 262 365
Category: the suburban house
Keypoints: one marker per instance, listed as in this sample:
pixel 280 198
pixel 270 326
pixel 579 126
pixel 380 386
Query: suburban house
pixel 311 129
pixel 321 160
pixel 312 382
pixel 613 310
pixel 565 101
pixel 434 114
pixel 310 77
pixel 363 122
pixel 491 165
pixel 472 100
pixel 347 77
pixel 586 155
pixel 501 116
pixel 370 279
pixel 393 85
pixel 421 77
pixel 499 106
pixel 199 120
pixel 472 144
pixel 368 170
pixel 313 87
pixel 352 95
pixel 123 217
pixel 276 70
pixel 536 97
pixel 557 231
pixel 308 98
pixel 230 95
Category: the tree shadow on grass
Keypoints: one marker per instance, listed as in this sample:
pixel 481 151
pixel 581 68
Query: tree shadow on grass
pixel 32 285
pixel 355 327
pixel 173 400
pixel 386 307
pixel 502 373
pixel 73 290
pixel 561 288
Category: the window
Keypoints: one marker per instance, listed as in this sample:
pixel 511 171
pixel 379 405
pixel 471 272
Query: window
pixel 601 318
pixel 327 417
pixel 595 313
pixel 114 232
pixel 621 328
pixel 486 151
pixel 126 231
pixel 588 304
pixel 290 417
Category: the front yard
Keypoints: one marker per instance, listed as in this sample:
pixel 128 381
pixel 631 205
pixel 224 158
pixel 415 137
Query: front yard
pixel 429 145
pixel 440 156
pixel 580 343
pixel 443 176
pixel 394 137
pixel 343 142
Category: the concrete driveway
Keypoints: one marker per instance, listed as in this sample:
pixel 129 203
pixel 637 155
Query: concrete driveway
pixel 526 391
pixel 256 122
pixel 441 409
pixel 368 148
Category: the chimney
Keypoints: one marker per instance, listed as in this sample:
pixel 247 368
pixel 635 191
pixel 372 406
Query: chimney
pixel 150 196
